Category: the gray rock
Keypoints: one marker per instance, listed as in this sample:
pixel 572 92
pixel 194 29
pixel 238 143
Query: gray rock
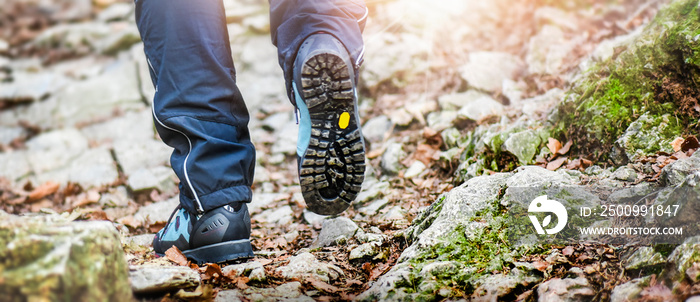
pixel 14 165
pixel 160 178
pixel 644 257
pixel 77 37
pixel 376 129
pixel 281 216
pixel 675 173
pixel 644 137
pixel 31 85
pixel 66 10
pixel 565 290
pixel 120 40
pixel 391 159
pixel 56 149
pixel 313 218
pixel 116 12
pixel 252 269
pixel 146 87
pixel 335 229
pixel 50 258
pixel 684 256
pixel 145 240
pixel 9 134
pixel 548 50
pixel 441 120
pixel 161 279
pixel 629 291
pixel 371 189
pixel 499 285
pixel 415 169
pixel 157 212
pixel 365 250
pixel 91 169
pixel 132 128
pixel 138 154
pixel 374 207
pixel 524 145
pixel 115 197
pixel 286 142
pixel 386 284
pixel 291 291
pixel 116 89
pixel 625 174
pixel 229 295
pixel 481 108
pixel 305 266
pixel 487 70
pixel 451 137
pixel 262 200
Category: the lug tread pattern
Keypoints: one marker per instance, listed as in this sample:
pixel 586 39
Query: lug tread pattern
pixel 332 169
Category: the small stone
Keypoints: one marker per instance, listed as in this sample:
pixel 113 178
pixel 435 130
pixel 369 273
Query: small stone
pixel 629 291
pixel 371 190
pixel 280 216
pixel 262 200
pixel 115 197
pixel 441 120
pixel 305 266
pixel 487 70
pixel 644 257
pixel 675 173
pixel 548 50
pixel 230 295
pixel 365 250
pixel 625 174
pixel 415 169
pixel 481 108
pixel 374 207
pixel 158 212
pixel 557 289
pixel 161 279
pixel 145 240
pixel 376 129
pixel 313 218
pixel 524 145
pixel 116 12
pixel 335 229
pixel 391 159
pixel 252 269
pixel 161 178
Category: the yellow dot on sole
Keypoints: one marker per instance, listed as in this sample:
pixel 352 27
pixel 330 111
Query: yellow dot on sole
pixel 344 120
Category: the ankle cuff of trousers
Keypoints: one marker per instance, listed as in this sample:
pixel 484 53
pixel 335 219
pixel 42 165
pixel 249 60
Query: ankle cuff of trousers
pixel 218 198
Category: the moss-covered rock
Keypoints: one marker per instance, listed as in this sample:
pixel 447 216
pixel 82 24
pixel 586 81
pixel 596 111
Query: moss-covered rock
pixel 52 259
pixel 641 99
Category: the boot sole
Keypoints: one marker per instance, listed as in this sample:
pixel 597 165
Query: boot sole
pixel 332 169
pixel 220 252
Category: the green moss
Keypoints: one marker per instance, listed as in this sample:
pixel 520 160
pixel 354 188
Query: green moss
pixel 652 76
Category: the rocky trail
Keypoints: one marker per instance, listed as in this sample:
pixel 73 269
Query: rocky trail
pixel 469 109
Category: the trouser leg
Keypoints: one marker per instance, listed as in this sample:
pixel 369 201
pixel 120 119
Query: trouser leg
pixel 292 21
pixel 197 108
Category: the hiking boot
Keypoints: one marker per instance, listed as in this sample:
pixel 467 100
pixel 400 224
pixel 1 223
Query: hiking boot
pixel 220 235
pixel 330 149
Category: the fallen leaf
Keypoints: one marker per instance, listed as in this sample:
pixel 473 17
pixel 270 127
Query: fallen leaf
pixel 323 286
pixel 424 153
pixel 554 145
pixel 566 148
pixel 568 251
pixel 211 271
pixel 241 282
pixel 690 143
pixel 353 282
pixel 555 164
pixel 97 215
pixel 540 265
pixel 574 164
pixel 42 191
pixel 676 144
pixel 175 255
pixel 129 221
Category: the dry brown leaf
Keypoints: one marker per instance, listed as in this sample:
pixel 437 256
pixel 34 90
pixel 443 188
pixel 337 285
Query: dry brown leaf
pixel 241 282
pixel 555 164
pixel 42 191
pixel 97 215
pixel 353 282
pixel 566 148
pixel 129 221
pixel 323 286
pixel 690 143
pixel 175 255
pixel 540 265
pixel 568 251
pixel 554 145
pixel 424 153
pixel 676 144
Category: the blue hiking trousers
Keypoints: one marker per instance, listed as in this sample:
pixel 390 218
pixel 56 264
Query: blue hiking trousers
pixel 198 109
